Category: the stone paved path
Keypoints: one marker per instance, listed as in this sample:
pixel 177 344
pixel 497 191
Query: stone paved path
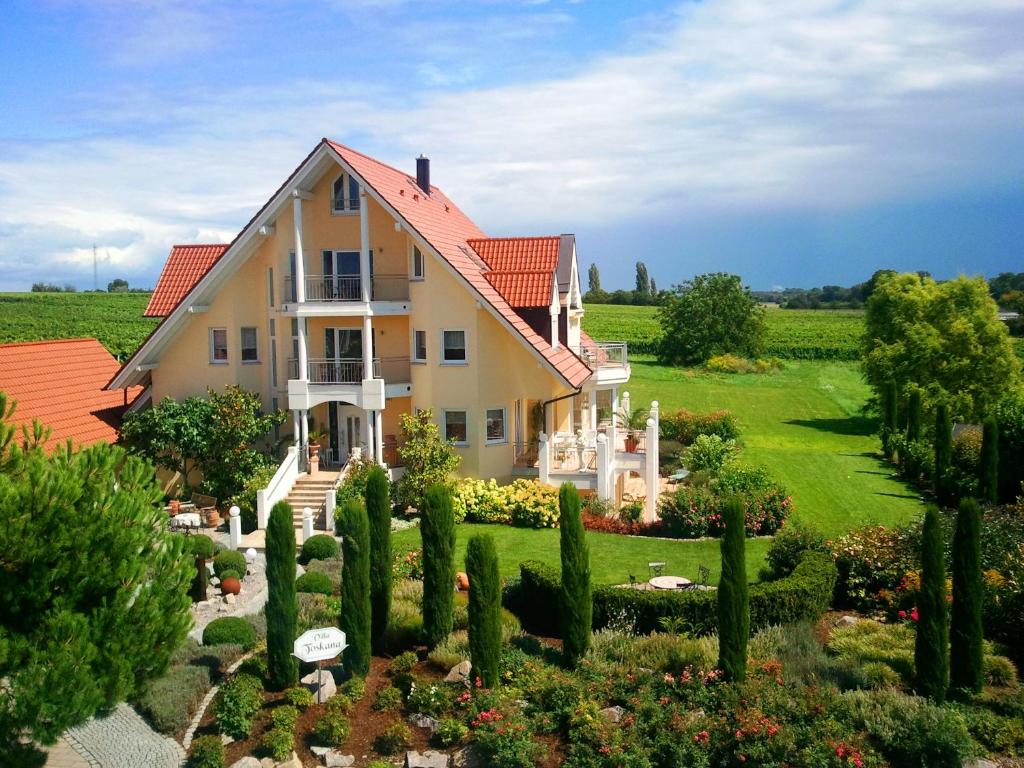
pixel 123 740
pixel 62 755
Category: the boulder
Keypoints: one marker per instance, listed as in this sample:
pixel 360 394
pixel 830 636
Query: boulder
pixel 229 598
pixel 291 762
pixel 320 751
pixel 247 762
pixel 847 621
pixel 465 758
pixel 979 763
pixel 613 714
pixel 424 721
pixel 460 673
pixel 429 759
pixel 320 679
pixel 334 759
pixel 267 762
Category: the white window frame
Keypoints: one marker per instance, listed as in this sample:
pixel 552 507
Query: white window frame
pixel 444 425
pixel 241 346
pixel 503 440
pixel 213 345
pixel 465 346
pixel 347 206
pixel 412 264
pixel 414 357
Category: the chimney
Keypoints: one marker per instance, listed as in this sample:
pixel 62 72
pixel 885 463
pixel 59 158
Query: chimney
pixel 423 173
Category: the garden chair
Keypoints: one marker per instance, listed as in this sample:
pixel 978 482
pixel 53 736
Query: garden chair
pixel 204 504
pixel 656 569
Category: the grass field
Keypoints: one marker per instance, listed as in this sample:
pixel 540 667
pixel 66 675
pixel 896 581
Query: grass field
pixel 113 318
pixel 612 557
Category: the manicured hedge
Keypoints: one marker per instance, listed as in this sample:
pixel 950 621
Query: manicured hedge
pixel 805 594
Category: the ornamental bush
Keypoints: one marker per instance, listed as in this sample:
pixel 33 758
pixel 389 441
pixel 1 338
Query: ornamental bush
pixel 333 727
pixel 230 560
pixel 966 629
pixel 168 703
pixel 322 546
pixel 281 611
pixel 236 704
pixel 480 501
pixel 355 586
pixel 931 649
pixel 484 608
pixel 206 752
pixel 576 599
pixel 531 504
pixel 315 583
pixel 733 601
pixel 523 503
pixel 200 545
pixel 943 455
pixel 437 529
pixel 230 629
pixel 393 739
pixel 684 426
pixel 988 465
pixel 378 511
pixel 709 453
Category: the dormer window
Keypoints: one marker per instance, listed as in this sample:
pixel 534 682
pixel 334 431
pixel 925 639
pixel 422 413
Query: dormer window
pixel 345 194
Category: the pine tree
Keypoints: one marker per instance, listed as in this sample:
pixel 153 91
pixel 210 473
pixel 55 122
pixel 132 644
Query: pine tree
pixel 931 648
pixel 378 509
pixel 943 454
pixel 965 662
pixel 988 468
pixel 577 605
pixel 355 586
pixel 889 416
pixel 282 619
pixel 437 528
pixel 733 602
pixel 484 608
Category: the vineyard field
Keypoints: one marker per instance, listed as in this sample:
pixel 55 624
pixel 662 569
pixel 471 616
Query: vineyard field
pixel 113 318
pixel 804 334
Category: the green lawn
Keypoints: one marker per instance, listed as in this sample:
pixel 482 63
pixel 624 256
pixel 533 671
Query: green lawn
pixel 804 424
pixel 612 557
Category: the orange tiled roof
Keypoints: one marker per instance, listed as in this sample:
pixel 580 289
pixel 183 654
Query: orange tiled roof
pixel 522 289
pixel 60 383
pixel 185 265
pixel 518 254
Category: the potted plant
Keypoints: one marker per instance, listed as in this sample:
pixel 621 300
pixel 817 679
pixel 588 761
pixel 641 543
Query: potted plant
pixel 314 437
pixel 634 420
pixel 174 507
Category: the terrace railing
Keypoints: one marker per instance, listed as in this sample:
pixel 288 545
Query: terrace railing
pixel 349 288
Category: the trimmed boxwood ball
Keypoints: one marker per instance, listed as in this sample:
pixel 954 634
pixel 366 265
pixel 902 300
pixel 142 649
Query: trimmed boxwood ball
pixel 199 544
pixel 229 560
pixel 316 583
pixel 230 573
pixel 319 547
pixel 230 629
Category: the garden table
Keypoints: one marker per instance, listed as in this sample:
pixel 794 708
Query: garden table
pixel 186 521
pixel 669 582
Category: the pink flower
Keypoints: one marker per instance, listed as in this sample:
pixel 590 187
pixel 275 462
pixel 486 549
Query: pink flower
pixel 903 614
pixel 914 615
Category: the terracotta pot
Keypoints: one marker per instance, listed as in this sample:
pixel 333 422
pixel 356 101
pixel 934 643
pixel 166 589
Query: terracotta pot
pixel 213 518
pixel 462 581
pixel 631 444
pixel 175 507
pixel 231 586
pixel 314 450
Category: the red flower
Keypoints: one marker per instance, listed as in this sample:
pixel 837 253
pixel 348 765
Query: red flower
pixel 914 615
pixel 903 614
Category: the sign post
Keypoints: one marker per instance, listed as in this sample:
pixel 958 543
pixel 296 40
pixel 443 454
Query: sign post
pixel 318 645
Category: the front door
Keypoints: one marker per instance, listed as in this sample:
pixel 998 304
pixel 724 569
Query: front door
pixel 346 430
pixel 341 275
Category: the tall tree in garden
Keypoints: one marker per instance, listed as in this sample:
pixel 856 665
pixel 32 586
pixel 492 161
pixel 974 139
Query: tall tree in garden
pixel 484 608
pixel 733 601
pixel 282 619
pixel 437 528
pixel 94 590
pixel 378 509
pixel 988 467
pixel 577 605
pixel 593 279
pixel 931 647
pixel 965 663
pixel 355 586
pixel 643 284
pixel 889 416
pixel 427 456
pixel 911 462
pixel 943 454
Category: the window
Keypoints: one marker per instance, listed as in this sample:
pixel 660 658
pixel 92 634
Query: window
pixel 270 286
pixel 345 195
pixel 419 346
pixel 273 363
pixel 218 345
pixel 455 423
pixel 273 328
pixel 494 424
pixel 453 346
pixel 250 347
pixel 417 263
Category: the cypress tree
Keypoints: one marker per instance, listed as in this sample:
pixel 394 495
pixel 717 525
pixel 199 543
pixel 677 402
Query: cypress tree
pixel 282 619
pixel 733 602
pixel 577 606
pixel 911 465
pixel 484 608
pixel 889 407
pixel 355 586
pixel 988 468
pixel 931 647
pixel 965 665
pixel 943 454
pixel 437 528
pixel 378 509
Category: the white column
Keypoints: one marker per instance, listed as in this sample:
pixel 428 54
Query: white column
pixel 544 458
pixel 371 440
pixel 593 409
pixel 651 472
pixel 367 347
pixel 656 413
pixel 235 528
pixel 379 431
pixel 613 431
pixel 330 502
pixel 300 266
pixel 303 352
pixel 307 523
pixel 554 330
pixel 296 426
pixel 364 246
pixel 304 433
pixel 604 469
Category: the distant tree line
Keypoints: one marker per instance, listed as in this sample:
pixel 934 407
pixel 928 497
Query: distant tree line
pixel 117 285
pixel 645 292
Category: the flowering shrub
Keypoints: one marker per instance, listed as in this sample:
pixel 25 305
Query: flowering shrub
pixel 709 453
pixel 684 426
pixel 532 504
pixel 408 565
pixel 523 503
pixel 873 562
pixel 480 501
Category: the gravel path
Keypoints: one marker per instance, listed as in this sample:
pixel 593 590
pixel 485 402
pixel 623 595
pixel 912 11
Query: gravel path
pixel 124 740
pixel 251 600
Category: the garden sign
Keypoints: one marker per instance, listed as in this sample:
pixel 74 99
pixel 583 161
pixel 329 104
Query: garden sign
pixel 319 645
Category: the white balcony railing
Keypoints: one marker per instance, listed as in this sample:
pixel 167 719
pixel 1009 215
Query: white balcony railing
pixel 349 288
pixel 350 370
pixel 605 354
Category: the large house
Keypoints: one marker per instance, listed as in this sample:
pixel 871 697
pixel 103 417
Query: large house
pixel 360 292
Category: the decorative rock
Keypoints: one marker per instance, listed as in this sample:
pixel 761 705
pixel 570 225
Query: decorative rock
pixel 267 762
pixel 291 762
pixel 847 621
pixel 335 759
pixel 319 751
pixel 424 721
pixel 465 758
pixel 229 599
pixel 429 759
pixel 320 678
pixel 247 762
pixel 979 763
pixel 613 714
pixel 460 673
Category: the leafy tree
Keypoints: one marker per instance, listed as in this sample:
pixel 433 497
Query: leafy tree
pixel 577 605
pixel 94 590
pixel 643 284
pixel 709 315
pixel 282 619
pixel 943 338
pixel 889 418
pixel 988 467
pixel 593 279
pixel 943 454
pixel 428 458
pixel 733 601
pixel 931 647
pixel 356 610
pixel 437 528
pixel 173 435
pixel 965 661
pixel 484 608
pixel 378 509
pixel 117 285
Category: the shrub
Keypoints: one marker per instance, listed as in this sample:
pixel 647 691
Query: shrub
pixel 315 610
pixel 484 608
pixel 965 665
pixel 389 699
pixel 230 573
pixel 168 703
pixel 285 716
pixel 943 455
pixel 281 611
pixel 332 728
pixel 254 666
pixel 728 363
pixel 404 663
pixel 480 501
pixel 378 511
pixel 405 627
pixel 353 689
pixel 299 697
pixel 355 587
pixel 879 675
pixel 532 504
pixel 437 528
pixel 278 743
pixel 788 547
pixel 322 546
pixel 453 650
pixel 931 648
pixel 200 545
pixel 576 599
pixel 315 583
pixel 236 704
pixel 428 458
pixel 450 733
pixel 229 560
pixel 684 426
pixel 999 671
pixel 988 464
pixel 217 658
pixel 230 629
pixel 873 562
pixel 206 752
pixel 733 601
pixel 709 453
pixel 393 739
pixel 329 568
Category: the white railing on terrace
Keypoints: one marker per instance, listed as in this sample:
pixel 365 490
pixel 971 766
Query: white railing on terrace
pixel 349 288
pixel 605 354
pixel 349 370
pixel 278 487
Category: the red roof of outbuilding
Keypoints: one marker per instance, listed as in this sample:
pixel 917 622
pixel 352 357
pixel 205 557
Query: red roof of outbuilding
pixel 185 265
pixel 60 383
pixel 523 289
pixel 518 254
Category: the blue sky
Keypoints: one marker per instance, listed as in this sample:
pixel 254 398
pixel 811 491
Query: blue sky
pixel 797 142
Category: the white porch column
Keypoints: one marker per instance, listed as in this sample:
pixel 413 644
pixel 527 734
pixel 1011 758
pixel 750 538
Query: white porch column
pixel 613 431
pixel 379 432
pixel 296 426
pixel 544 458
pixel 303 361
pixel 367 347
pixel 651 472
pixel 330 502
pixel 371 440
pixel 300 266
pixel 593 410
pixel 656 413
pixel 604 469
pixel 364 246
pixel 304 434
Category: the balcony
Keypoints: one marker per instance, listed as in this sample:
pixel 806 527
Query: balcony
pixel 344 379
pixel 609 360
pixel 350 370
pixel 348 288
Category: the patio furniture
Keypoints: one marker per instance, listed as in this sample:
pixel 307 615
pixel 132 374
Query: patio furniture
pixel 678 477
pixel 186 522
pixel 703 573
pixel 669 582
pixel 655 569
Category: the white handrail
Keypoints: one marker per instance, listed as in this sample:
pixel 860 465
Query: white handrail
pixel 278 487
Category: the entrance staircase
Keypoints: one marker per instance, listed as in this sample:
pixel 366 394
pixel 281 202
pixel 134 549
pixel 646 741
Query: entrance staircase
pixel 309 491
